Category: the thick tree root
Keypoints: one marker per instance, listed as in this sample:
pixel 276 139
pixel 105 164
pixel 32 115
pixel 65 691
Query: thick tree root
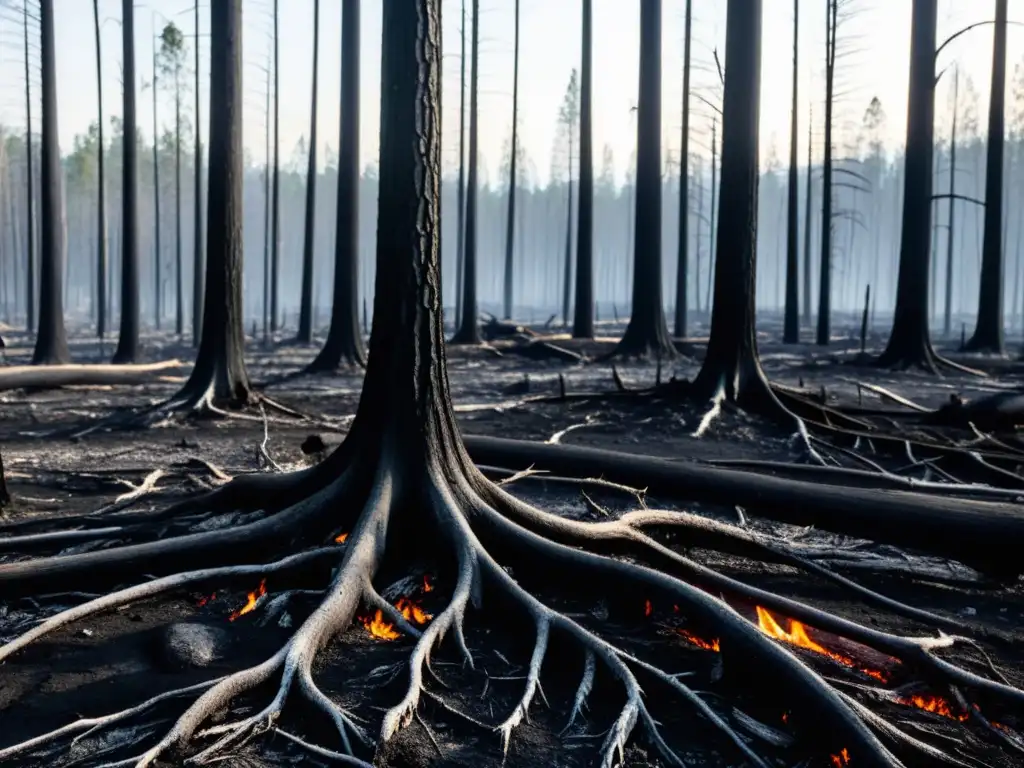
pixel 485 530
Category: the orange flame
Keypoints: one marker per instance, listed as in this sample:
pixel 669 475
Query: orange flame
pixel 797 635
pixel 427 586
pixel 648 609
pixel 700 642
pixel 380 628
pixel 340 538
pixel 250 603
pixel 843 758
pixel 204 600
pixel 411 611
pixel 934 704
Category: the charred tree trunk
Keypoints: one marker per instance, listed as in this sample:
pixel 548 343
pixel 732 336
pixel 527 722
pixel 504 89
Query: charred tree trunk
pixel 344 340
pixel 567 263
pixel 647 333
pixel 510 222
pixel 128 340
pixel 469 329
pixel 101 193
pixel 947 322
pixel 460 253
pixel 683 265
pixel 731 368
pixel 198 269
pixel 266 219
pixel 825 273
pixel 909 341
pixel 179 296
pixel 219 375
pixel 583 313
pixel 791 330
pixel 51 342
pixel 305 334
pixel 988 333
pixel 157 249
pixel 275 182
pixel 807 224
pixel 30 192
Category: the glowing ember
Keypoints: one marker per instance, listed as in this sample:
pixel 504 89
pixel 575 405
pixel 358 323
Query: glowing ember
pixel 204 600
pixel 843 758
pixel 647 608
pixel 699 641
pixel 411 611
pixel 427 586
pixel 340 538
pixel 934 704
pixel 797 635
pixel 380 628
pixel 250 603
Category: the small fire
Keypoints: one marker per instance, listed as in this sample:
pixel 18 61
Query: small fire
pixel 935 704
pixel 411 611
pixel 700 642
pixel 340 538
pixel 380 628
pixel 797 635
pixel 427 586
pixel 648 609
pixel 843 758
pixel 204 600
pixel 250 603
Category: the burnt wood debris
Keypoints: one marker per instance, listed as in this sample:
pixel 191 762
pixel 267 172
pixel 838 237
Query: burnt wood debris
pixel 761 536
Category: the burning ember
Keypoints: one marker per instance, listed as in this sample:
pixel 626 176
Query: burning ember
pixel 250 604
pixel 427 586
pixel 204 600
pixel 340 538
pixel 410 610
pixel 699 641
pixel 934 704
pixel 797 635
pixel 843 758
pixel 380 628
pixel 647 608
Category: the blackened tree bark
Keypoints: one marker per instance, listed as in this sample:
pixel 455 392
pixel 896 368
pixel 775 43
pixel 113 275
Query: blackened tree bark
pixel 30 183
pixel 275 182
pixel 219 375
pixel 469 328
pixel 909 342
pixel 570 125
pixel 198 270
pixel 824 334
pixel 305 334
pixel 791 329
pixel 731 368
pixel 988 332
pixel 683 263
pixel 179 288
pixel 158 287
pixel 101 193
pixel 510 218
pixel 344 341
pixel 647 333
pixel 808 192
pixel 947 324
pixel 583 312
pixel 51 342
pixel 460 253
pixel 128 341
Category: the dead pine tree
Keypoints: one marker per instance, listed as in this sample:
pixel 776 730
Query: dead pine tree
pixel 402 484
pixel 344 343
pixel 305 332
pixel 791 331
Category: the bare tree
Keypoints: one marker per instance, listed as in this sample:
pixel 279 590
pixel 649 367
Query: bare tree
pixel 791 330
pixel 305 334
pixel 101 190
pixel 513 179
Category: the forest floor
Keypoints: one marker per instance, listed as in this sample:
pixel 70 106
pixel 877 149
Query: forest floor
pixel 114 661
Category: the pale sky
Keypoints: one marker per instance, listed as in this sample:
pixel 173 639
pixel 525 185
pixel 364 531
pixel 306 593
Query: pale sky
pixel 876 38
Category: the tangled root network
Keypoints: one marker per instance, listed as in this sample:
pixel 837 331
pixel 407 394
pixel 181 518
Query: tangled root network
pixel 481 535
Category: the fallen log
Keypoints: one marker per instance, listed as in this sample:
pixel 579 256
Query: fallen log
pixel 72 374
pixel 988 536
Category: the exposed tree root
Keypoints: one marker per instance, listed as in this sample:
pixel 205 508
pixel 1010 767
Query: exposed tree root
pixel 39 377
pixel 484 530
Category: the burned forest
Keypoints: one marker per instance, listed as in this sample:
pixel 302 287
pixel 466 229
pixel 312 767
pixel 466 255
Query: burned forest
pixel 338 429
